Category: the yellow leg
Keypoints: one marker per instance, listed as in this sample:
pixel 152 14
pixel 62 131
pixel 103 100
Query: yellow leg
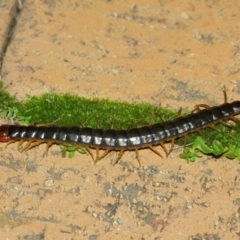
pixel 10 142
pixel 137 156
pixel 164 148
pixel 225 96
pixel 103 155
pixel 32 144
pixel 155 151
pixel 90 152
pixel 172 145
pixel 20 144
pixel 49 144
pixel 119 156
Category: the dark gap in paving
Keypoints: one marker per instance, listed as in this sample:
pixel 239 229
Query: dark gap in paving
pixel 15 11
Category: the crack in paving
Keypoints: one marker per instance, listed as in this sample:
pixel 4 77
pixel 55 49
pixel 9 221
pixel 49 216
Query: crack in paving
pixel 15 11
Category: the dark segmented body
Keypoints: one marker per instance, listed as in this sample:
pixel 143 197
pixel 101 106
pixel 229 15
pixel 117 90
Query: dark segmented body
pixel 122 140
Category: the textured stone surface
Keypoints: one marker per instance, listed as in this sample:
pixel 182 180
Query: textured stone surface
pixel 174 54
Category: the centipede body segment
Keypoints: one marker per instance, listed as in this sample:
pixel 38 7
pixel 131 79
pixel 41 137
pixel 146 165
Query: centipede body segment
pixel 122 140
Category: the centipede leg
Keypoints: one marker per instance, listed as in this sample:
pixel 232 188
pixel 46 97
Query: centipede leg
pixel 10 142
pixel 20 143
pixel 185 139
pixel 102 156
pixel 164 148
pixel 97 155
pixel 24 147
pixel 199 131
pixel 212 127
pixel 225 123
pixel 179 113
pixel 225 96
pixel 31 144
pixel 137 156
pixel 119 156
pixel 199 106
pixel 155 151
pixel 234 119
pixel 172 145
pixel 90 152
pixel 49 144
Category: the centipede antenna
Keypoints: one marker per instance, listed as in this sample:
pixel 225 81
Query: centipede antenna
pixel 119 156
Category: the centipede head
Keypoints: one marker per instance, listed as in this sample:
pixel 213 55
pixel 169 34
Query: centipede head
pixel 4 133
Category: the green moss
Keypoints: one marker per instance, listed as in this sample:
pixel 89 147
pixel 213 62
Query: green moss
pixel 69 110
pixel 7 102
pixel 66 109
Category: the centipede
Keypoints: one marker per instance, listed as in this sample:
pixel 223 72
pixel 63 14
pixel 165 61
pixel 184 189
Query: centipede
pixel 134 139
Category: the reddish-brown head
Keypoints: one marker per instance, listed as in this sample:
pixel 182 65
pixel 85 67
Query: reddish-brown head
pixel 4 133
